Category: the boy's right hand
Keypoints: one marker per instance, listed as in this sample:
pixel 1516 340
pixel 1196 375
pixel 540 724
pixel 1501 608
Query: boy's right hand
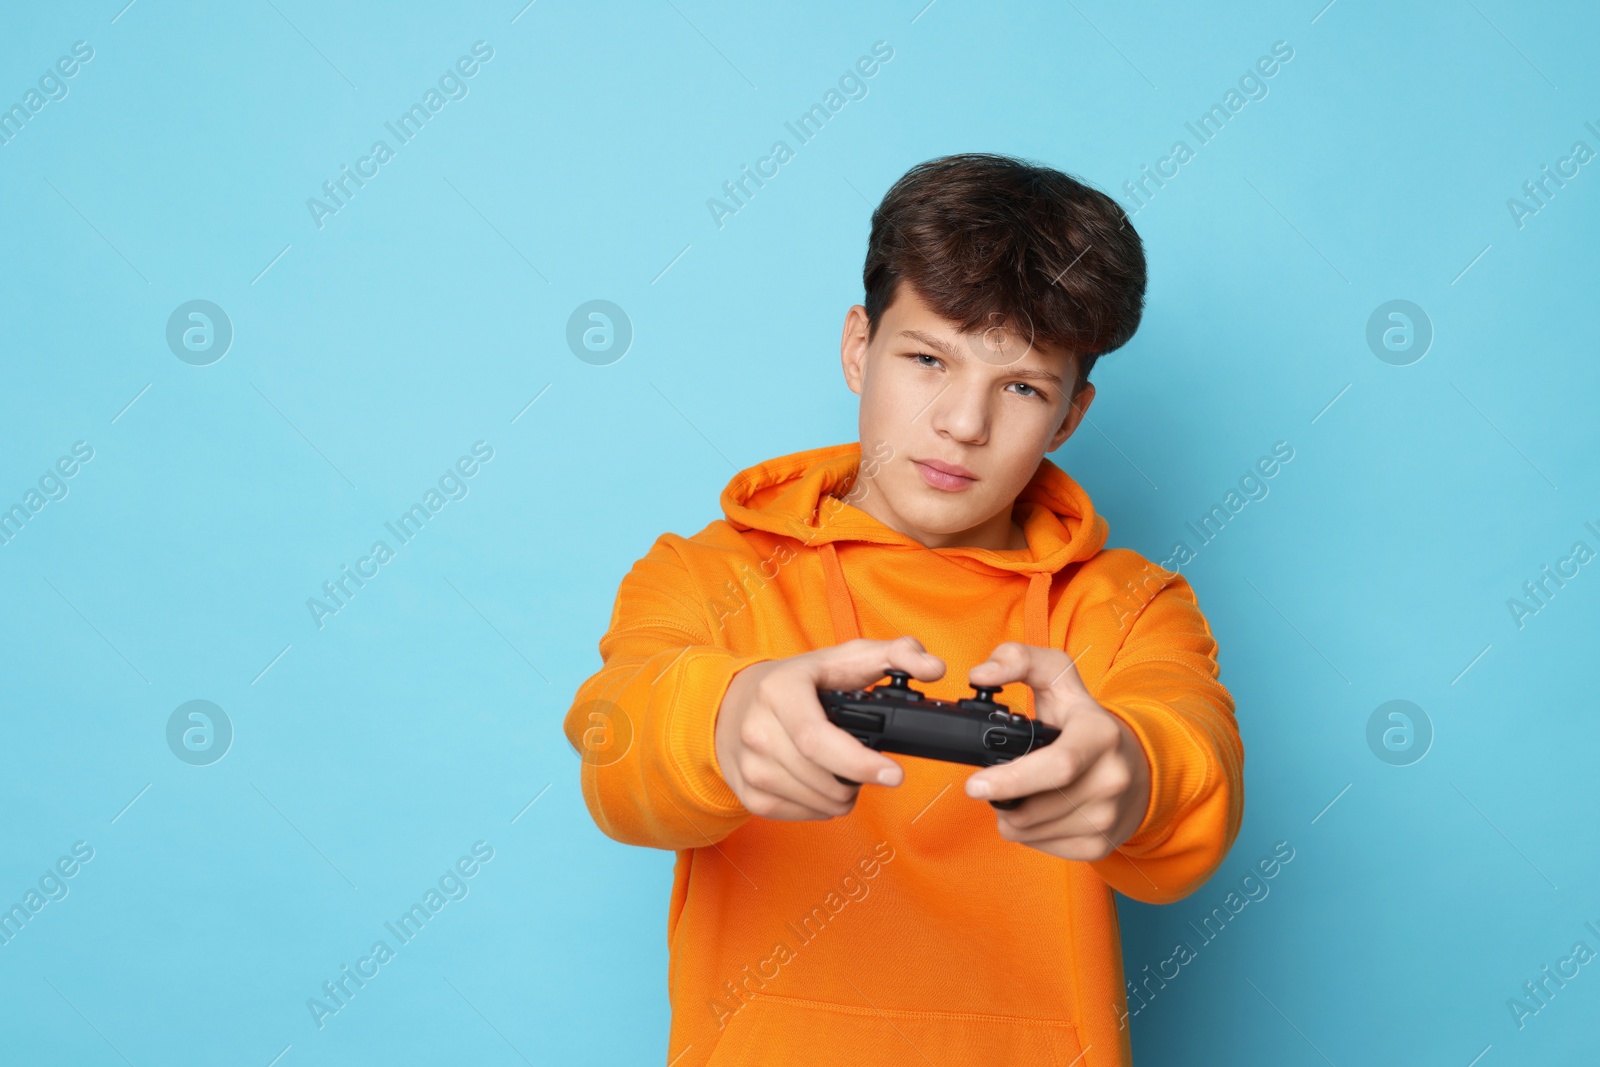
pixel 778 751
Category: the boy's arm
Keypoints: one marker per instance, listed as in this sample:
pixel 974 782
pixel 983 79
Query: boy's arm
pixel 1162 682
pixel 656 699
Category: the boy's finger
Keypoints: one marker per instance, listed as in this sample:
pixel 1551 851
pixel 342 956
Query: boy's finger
pixel 1049 672
pixel 860 663
pixel 1039 668
pixel 792 790
pixel 830 748
pixel 1011 661
pixel 815 780
pixel 1055 766
pixel 1052 813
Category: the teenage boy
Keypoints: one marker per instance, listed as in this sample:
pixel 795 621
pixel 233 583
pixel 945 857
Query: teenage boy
pixel 906 920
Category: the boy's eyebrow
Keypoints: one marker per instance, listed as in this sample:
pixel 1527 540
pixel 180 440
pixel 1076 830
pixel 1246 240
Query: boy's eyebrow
pixel 950 350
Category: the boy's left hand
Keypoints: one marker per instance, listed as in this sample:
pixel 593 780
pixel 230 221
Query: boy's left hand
pixel 1087 790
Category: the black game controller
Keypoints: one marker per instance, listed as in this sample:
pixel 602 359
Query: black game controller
pixel 897 718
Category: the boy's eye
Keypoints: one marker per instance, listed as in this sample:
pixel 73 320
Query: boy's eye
pixel 916 357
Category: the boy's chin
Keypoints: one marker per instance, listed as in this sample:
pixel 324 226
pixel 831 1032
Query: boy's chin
pixel 937 513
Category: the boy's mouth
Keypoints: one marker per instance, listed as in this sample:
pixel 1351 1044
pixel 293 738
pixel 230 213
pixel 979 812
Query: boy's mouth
pixel 948 476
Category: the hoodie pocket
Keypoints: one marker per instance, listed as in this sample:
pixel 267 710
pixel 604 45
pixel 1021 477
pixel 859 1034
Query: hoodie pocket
pixel 773 1030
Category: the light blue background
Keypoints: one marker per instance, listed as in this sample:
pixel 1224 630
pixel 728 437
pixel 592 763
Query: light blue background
pixel 432 309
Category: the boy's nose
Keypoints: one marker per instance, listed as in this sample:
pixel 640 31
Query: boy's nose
pixel 961 417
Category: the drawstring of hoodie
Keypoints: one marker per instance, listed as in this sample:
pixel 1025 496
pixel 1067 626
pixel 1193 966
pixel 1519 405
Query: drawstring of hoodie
pixel 842 608
pixel 1036 612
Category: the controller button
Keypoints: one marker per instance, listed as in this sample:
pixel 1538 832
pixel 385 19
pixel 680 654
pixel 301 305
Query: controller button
pixel 995 738
pixel 900 686
pixel 1000 716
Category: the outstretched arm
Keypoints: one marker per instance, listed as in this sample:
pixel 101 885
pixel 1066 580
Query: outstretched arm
pixel 1146 781
pixel 644 723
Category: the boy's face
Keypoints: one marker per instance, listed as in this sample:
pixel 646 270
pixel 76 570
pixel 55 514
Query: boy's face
pixel 985 401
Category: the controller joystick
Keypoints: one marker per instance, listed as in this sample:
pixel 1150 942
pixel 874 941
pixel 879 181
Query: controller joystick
pixel 896 718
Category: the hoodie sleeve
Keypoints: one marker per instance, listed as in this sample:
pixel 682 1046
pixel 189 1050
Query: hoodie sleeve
pixel 1162 682
pixel 643 725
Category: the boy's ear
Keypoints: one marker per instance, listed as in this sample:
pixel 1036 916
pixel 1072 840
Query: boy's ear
pixel 853 348
pixel 1075 412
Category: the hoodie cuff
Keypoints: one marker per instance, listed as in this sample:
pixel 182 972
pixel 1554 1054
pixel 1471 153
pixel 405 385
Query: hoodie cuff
pixel 703 677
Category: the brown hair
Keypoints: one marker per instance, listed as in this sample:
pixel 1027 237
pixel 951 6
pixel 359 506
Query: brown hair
pixel 989 239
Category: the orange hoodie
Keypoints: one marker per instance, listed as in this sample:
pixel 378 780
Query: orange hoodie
pixel 906 932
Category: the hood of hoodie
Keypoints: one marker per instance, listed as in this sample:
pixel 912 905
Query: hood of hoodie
pixel 798 496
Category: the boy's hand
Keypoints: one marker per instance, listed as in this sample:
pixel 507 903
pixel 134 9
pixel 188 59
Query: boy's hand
pixel 1088 789
pixel 778 751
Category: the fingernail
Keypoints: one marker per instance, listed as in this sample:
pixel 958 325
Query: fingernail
pixel 978 787
pixel 889 776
